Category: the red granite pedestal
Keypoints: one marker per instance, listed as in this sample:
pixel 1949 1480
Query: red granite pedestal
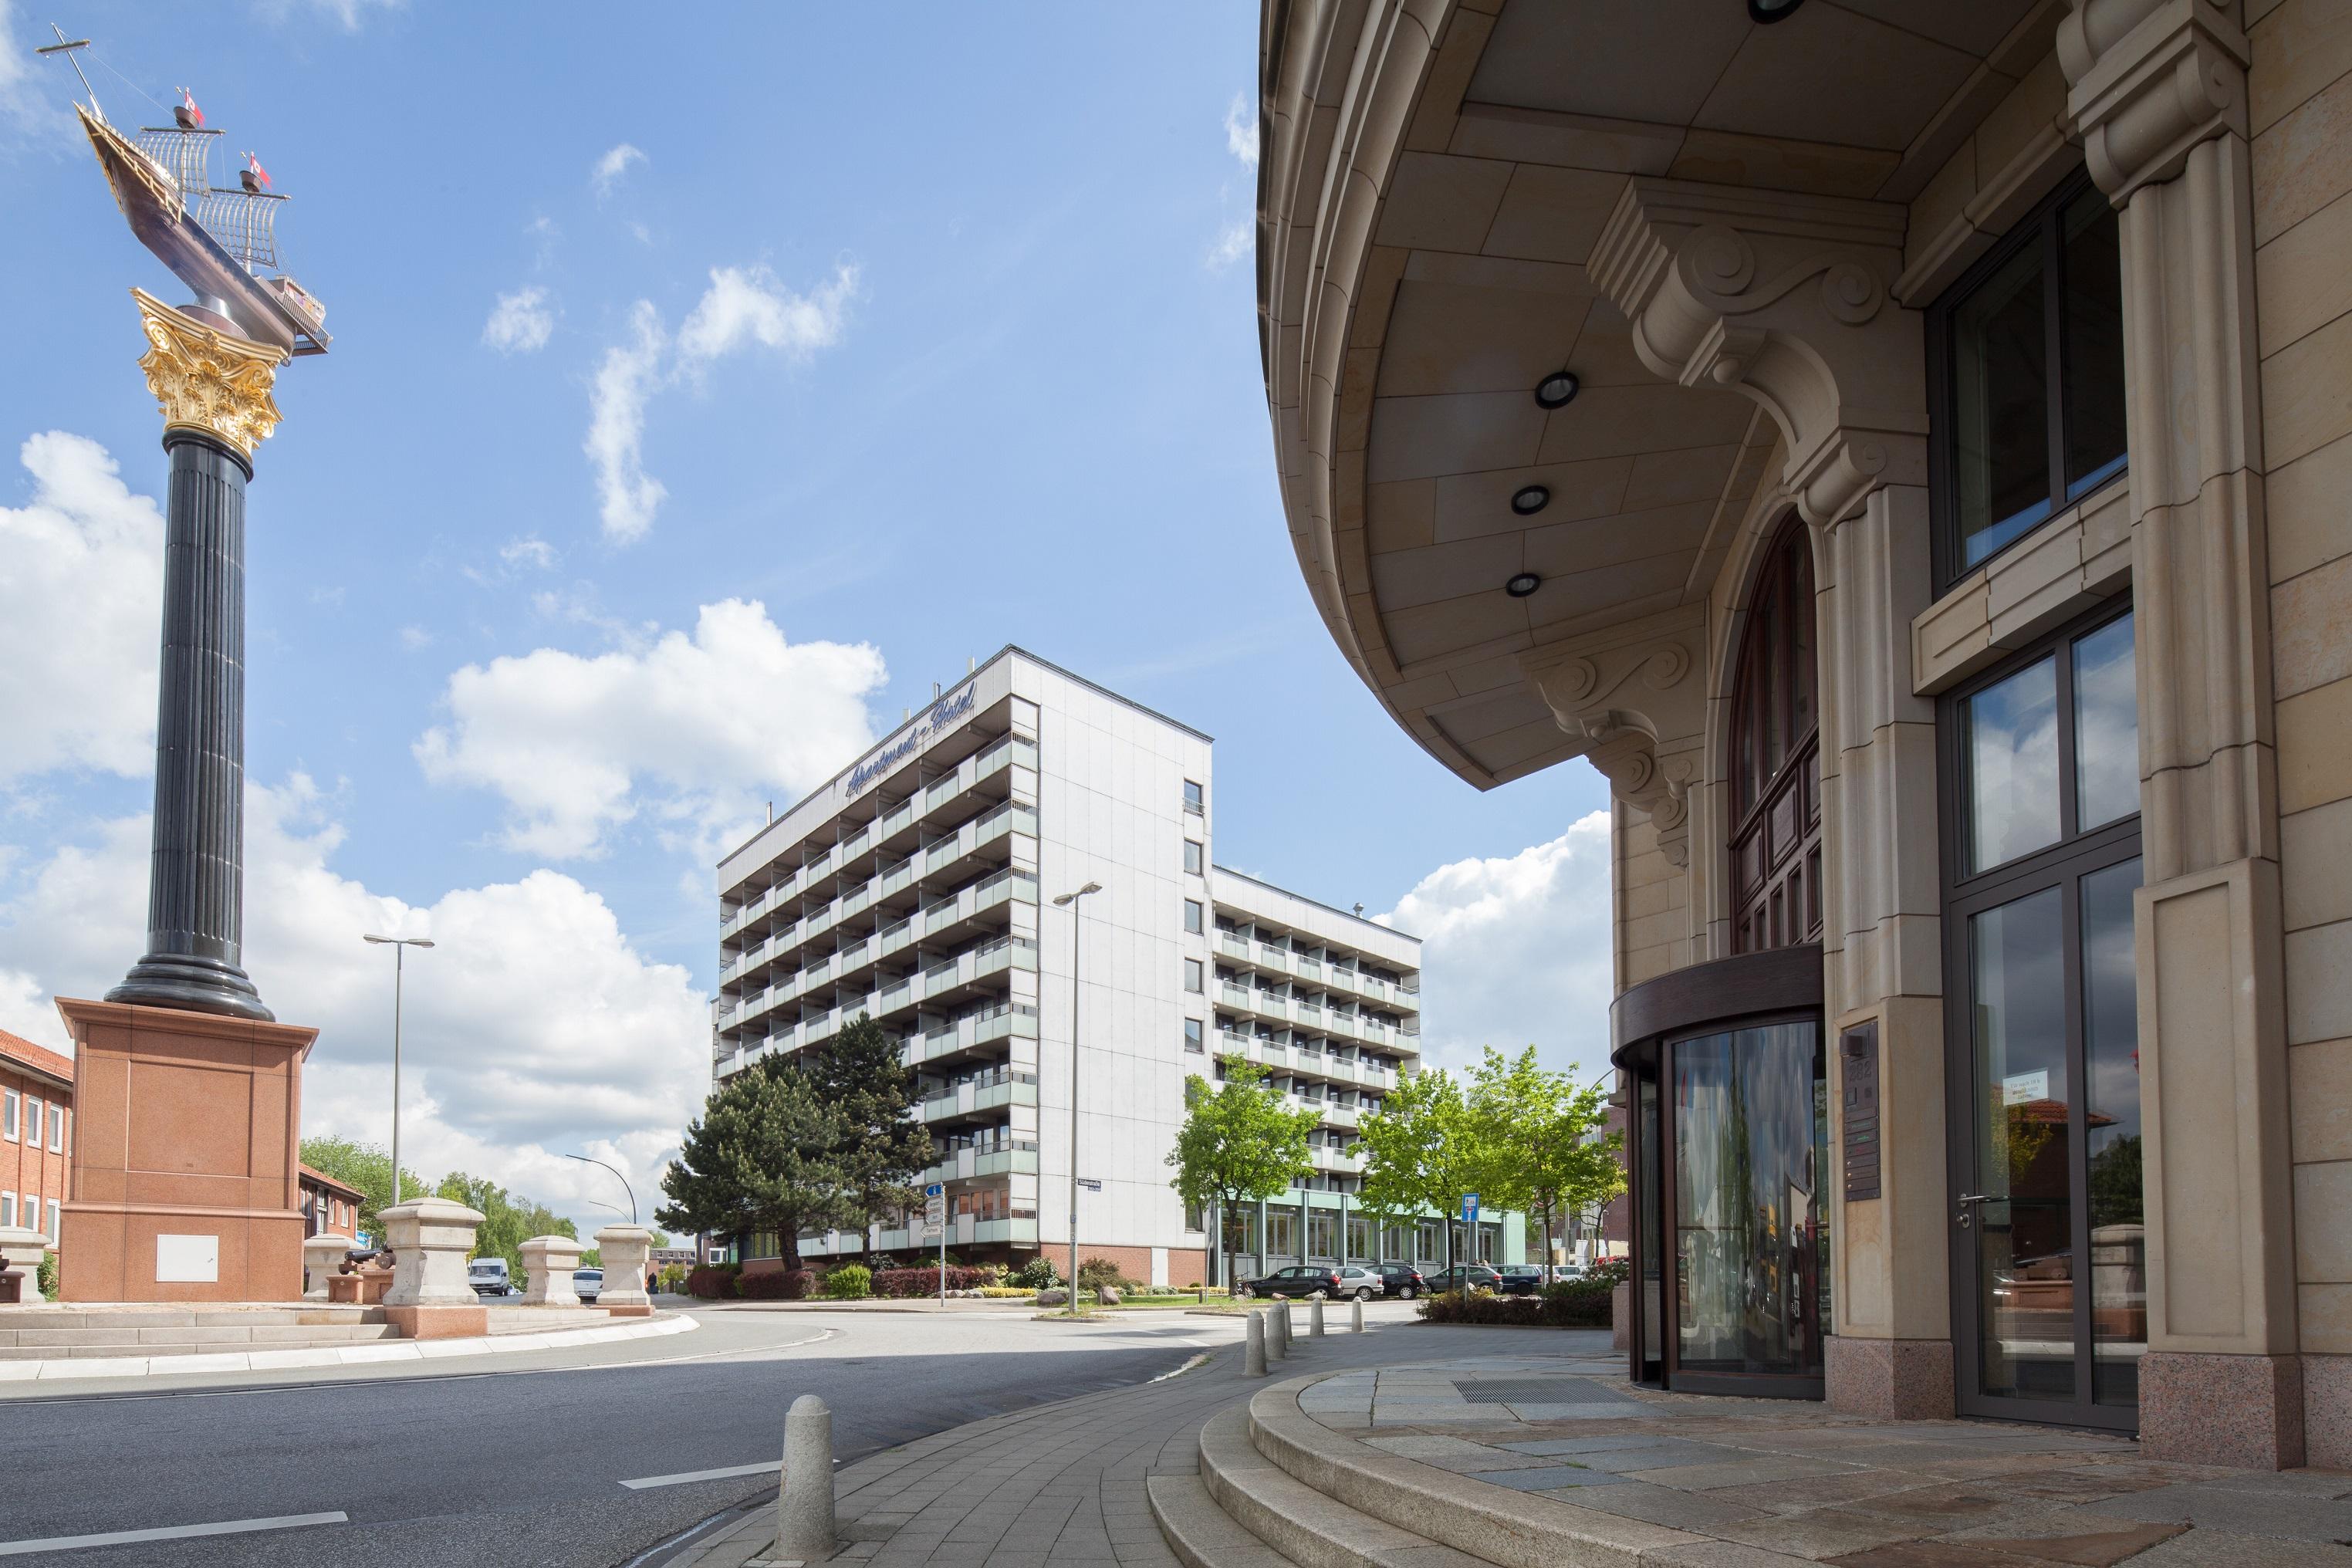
pixel 185 1168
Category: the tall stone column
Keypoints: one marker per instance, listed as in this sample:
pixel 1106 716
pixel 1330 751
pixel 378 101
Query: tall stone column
pixel 214 389
pixel 2159 93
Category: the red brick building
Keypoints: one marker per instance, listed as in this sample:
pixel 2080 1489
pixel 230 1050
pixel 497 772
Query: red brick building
pixel 36 1133
pixel 328 1205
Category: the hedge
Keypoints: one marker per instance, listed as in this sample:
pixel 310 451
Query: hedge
pixel 711 1281
pixel 775 1285
pixel 1571 1304
pixel 926 1281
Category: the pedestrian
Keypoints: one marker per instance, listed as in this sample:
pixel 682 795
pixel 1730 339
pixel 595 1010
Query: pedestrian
pixel 653 1282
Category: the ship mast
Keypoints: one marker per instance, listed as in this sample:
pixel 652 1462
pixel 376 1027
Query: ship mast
pixel 69 48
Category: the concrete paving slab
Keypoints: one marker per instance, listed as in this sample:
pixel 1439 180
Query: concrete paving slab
pixel 1548 1477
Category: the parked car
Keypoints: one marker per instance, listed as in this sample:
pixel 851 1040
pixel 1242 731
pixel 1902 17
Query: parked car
pixel 1519 1279
pixel 1466 1277
pixel 489 1277
pixel 588 1283
pixel 1363 1284
pixel 1300 1280
pixel 1402 1279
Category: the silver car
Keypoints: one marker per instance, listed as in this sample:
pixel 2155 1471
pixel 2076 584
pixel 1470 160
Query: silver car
pixel 1363 1284
pixel 588 1283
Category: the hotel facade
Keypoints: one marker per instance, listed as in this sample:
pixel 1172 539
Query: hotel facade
pixel 917 888
pixel 1902 446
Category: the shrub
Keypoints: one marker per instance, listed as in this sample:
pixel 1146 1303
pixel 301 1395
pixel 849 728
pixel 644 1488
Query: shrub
pixel 998 1293
pixel 1614 1272
pixel 1037 1274
pixel 926 1281
pixel 673 1279
pixel 1093 1273
pixel 774 1285
pixel 1578 1303
pixel 849 1282
pixel 712 1281
pixel 1569 1304
pixel 46 1276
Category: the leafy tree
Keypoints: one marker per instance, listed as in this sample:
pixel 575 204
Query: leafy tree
pixel 507 1219
pixel 368 1167
pixel 1239 1144
pixel 762 1157
pixel 1551 1160
pixel 884 1144
pixel 1425 1149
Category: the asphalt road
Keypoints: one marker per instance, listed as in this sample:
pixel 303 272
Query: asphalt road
pixel 523 1465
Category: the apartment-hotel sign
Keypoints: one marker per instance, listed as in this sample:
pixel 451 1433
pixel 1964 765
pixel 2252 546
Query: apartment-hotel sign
pixel 929 727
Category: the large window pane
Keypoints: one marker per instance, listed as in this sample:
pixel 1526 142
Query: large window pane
pixel 2000 410
pixel 2111 1059
pixel 2025 1224
pixel 2107 727
pixel 2092 325
pixel 2010 739
pixel 1748 1201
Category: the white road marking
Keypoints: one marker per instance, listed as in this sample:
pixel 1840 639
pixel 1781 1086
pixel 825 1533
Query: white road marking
pixel 718 1474
pixel 174 1532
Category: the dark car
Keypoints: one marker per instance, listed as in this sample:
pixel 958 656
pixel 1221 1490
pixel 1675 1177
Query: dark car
pixel 1300 1280
pixel 1466 1277
pixel 1404 1281
pixel 1519 1279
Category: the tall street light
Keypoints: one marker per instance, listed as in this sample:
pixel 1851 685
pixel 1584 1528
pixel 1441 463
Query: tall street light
pixel 625 1186
pixel 399 945
pixel 1071 899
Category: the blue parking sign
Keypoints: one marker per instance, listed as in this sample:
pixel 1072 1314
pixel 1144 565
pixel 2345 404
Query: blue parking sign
pixel 1469 1208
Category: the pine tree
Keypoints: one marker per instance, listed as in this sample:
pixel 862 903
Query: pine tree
pixel 885 1145
pixel 764 1156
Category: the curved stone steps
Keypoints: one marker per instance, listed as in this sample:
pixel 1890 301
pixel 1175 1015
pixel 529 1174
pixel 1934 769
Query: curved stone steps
pixel 1201 1533
pixel 1304 1526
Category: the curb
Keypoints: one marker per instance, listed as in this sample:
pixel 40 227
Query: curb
pixel 336 1355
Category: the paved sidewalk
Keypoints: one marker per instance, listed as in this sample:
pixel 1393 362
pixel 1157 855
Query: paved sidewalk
pixel 1473 1412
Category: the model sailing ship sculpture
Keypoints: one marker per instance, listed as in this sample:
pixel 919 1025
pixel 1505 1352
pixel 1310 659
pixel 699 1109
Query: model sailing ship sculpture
pixel 221 241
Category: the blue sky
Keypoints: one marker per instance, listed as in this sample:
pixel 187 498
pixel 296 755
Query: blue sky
pixel 922 335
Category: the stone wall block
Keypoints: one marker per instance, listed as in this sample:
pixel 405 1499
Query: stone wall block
pixel 430 1239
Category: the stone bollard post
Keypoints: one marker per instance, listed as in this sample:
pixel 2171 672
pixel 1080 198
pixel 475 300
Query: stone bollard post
pixel 1254 1344
pixel 1314 1319
pixel 624 1248
pixel 804 1502
pixel 547 1265
pixel 1278 1329
pixel 1356 1316
pixel 430 1298
pixel 20 1253
pixel 322 1258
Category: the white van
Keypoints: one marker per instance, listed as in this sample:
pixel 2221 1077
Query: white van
pixel 489 1277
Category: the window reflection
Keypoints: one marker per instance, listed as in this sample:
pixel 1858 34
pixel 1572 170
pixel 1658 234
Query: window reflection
pixel 2093 323
pixel 1748 1222
pixel 2010 737
pixel 2025 1224
pixel 2000 407
pixel 2107 727
pixel 2111 1057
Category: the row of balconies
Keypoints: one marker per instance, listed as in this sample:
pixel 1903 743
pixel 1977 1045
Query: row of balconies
pixel 1315 1019
pixel 1000 956
pixel 1312 971
pixel 990 1091
pixel 837 968
pixel 821 871
pixel 972 1164
pixel 963 1230
pixel 1013 816
pixel 1297 1058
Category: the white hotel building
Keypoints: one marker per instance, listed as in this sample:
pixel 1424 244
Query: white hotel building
pixel 917 886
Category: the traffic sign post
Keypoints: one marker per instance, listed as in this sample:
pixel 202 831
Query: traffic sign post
pixel 935 1219
pixel 1469 1236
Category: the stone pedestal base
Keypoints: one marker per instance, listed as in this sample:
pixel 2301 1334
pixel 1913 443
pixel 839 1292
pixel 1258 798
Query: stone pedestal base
pixel 627 1310
pixel 186 1184
pixel 2327 1412
pixel 438 1322
pixel 1889 1380
pixel 2240 1410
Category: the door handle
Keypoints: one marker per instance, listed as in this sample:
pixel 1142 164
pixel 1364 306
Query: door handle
pixel 1967 1214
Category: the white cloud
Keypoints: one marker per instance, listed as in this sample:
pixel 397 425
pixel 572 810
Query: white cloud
pixel 1241 130
pixel 690 729
pixel 628 496
pixel 1234 242
pixel 81 607
pixel 744 307
pixel 612 166
pixel 347 14
pixel 1515 951
pixel 535 1026
pixel 519 322
pixel 22 104
pixel 415 639
pixel 530 550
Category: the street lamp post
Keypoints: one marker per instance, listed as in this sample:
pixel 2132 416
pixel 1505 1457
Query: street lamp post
pixel 399 944
pixel 1071 899
pixel 625 1186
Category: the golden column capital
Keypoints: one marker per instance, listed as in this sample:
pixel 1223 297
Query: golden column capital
pixel 208 380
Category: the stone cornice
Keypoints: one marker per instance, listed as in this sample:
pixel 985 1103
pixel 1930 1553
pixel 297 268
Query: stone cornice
pixel 1786 299
pixel 2149 79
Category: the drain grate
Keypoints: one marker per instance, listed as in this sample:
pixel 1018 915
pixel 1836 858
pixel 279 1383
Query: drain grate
pixel 1540 1390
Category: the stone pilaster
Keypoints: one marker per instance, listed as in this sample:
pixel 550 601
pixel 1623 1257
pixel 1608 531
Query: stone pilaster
pixel 2158 95
pixel 214 390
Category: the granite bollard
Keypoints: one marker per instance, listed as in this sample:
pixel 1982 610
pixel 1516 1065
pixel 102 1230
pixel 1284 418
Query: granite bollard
pixel 1356 1316
pixel 322 1259
pixel 430 1298
pixel 1254 1344
pixel 625 1249
pixel 547 1265
pixel 804 1528
pixel 1314 1319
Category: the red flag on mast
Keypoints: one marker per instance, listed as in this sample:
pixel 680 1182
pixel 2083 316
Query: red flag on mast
pixel 256 175
pixel 189 116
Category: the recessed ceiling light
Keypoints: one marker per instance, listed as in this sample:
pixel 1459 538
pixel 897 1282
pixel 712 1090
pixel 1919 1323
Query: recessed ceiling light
pixel 1768 11
pixel 1528 499
pixel 1557 390
pixel 1521 585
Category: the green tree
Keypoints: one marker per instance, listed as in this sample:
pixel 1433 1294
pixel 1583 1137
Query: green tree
pixel 1552 1158
pixel 368 1167
pixel 884 1144
pixel 762 1157
pixel 1239 1144
pixel 1424 1149
pixel 507 1219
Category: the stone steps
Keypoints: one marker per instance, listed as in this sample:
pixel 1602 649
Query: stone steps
pixel 1199 1532
pixel 1301 1524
